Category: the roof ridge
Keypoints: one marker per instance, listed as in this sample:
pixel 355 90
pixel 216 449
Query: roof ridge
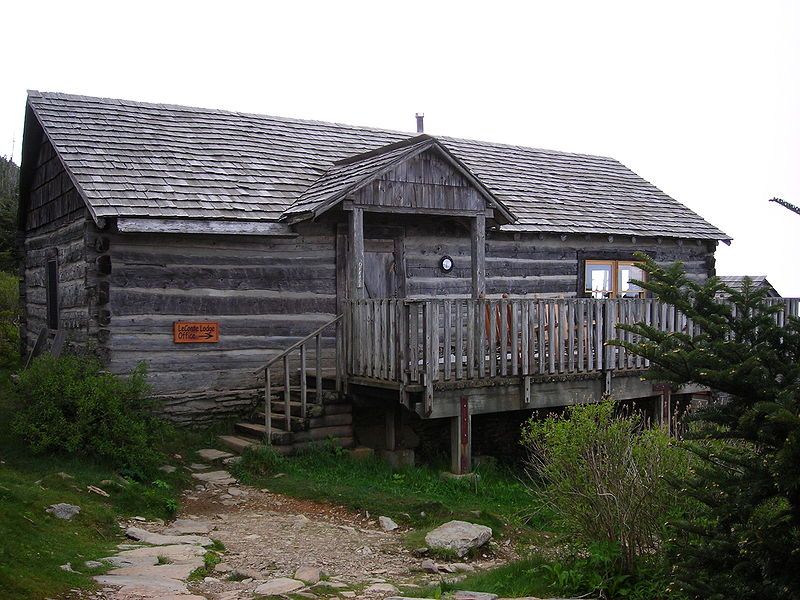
pixel 222 111
pixel 520 147
pixel 217 111
pixel 409 142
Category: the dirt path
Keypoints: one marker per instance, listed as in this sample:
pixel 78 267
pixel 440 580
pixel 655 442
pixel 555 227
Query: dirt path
pixel 268 536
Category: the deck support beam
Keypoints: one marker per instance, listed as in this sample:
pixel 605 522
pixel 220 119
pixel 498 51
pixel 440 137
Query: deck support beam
pixel 461 440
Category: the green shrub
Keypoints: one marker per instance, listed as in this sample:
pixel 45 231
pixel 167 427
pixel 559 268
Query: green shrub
pixel 605 480
pixel 9 320
pixel 68 404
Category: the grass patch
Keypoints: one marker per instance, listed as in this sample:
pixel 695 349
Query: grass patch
pixel 417 497
pixel 518 579
pixel 210 560
pixel 216 545
pixel 34 543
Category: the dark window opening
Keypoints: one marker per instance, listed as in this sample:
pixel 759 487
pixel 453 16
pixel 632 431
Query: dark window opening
pixel 52 294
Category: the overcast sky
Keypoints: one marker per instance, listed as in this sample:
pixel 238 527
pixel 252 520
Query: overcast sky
pixel 700 98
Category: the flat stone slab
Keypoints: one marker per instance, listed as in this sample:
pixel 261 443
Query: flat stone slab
pixel 133 561
pixel 215 477
pixel 169 571
pixel 143 584
pixel 213 454
pixel 466 595
pixel 381 588
pixel 159 539
pixel 175 553
pixel 199 467
pixel 189 526
pixel 280 585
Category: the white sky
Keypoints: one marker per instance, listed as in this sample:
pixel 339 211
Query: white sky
pixel 701 98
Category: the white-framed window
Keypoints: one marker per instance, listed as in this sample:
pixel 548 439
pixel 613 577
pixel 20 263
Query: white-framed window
pixel 613 279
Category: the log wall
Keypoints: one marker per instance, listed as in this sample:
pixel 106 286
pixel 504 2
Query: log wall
pixel 521 264
pixel 55 227
pixel 266 294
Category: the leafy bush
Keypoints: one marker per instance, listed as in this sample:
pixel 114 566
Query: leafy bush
pixel 68 404
pixel 605 479
pixel 9 320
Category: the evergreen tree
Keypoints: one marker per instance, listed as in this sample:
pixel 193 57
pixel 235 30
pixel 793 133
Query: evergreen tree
pixel 745 540
pixel 9 200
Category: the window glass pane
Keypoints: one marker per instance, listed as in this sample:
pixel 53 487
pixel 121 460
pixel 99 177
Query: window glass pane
pixel 627 289
pixel 598 279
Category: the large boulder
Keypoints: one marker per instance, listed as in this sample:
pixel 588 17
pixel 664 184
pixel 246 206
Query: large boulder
pixel 63 511
pixel 458 536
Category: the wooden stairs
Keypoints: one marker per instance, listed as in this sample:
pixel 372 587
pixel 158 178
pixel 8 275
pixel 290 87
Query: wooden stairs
pixel 328 419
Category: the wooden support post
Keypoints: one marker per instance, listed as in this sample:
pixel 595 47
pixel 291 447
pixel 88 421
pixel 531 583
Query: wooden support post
pixel 356 233
pixel 479 256
pixel 391 427
pixel 461 440
pixel 665 391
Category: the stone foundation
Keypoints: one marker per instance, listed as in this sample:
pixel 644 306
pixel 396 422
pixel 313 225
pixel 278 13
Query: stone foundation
pixel 206 408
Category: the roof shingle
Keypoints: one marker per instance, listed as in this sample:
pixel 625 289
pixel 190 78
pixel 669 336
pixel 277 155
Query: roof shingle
pixel 134 158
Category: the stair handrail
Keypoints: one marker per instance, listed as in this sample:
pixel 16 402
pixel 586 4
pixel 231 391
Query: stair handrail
pixel 296 345
pixel 287 385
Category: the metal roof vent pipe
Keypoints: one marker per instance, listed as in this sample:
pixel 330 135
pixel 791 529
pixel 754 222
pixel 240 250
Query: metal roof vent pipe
pixel 420 125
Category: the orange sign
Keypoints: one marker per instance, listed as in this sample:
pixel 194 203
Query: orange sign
pixel 188 332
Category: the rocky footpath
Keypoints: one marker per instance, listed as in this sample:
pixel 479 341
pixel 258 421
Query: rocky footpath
pixel 234 542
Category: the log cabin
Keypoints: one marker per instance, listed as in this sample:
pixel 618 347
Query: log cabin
pixel 332 282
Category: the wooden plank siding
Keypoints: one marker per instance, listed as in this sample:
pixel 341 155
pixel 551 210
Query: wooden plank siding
pixel 423 182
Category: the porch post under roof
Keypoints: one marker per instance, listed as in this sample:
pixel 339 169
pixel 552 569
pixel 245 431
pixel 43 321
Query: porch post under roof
pixel 356 233
pixel 478 235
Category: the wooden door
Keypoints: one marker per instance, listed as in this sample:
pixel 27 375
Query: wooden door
pixel 381 271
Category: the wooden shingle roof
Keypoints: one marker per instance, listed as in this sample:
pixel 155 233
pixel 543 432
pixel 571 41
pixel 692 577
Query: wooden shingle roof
pixel 736 282
pixel 134 159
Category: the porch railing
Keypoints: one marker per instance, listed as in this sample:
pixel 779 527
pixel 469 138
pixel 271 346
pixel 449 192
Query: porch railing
pixel 441 340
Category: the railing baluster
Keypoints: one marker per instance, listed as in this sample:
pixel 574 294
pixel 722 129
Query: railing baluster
pixel 580 323
pixel 287 393
pixel 532 332
pixel 387 337
pixel 447 323
pixel 591 335
pixel 492 339
pixel 402 351
pixel 435 346
pixel 303 382
pixel 459 331
pixel 519 346
pixel 413 317
pixel 502 337
pixel 429 356
pixel 391 342
pixel 525 336
pixel 268 405
pixel 480 337
pixel 471 335
pixel 318 364
pixel 571 335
